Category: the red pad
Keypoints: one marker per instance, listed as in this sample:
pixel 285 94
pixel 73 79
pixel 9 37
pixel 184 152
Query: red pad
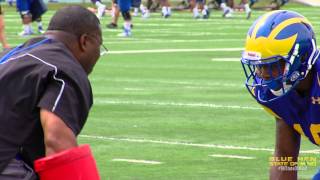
pixel 73 164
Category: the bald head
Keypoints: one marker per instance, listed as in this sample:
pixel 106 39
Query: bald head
pixel 74 19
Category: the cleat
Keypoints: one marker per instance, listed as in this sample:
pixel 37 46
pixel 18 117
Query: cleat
pixel 225 13
pixel 112 26
pixel 166 16
pixel 206 14
pixel 41 31
pixel 125 33
pixel 145 15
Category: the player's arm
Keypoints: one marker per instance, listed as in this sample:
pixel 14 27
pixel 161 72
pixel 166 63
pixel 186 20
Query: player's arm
pixel 57 135
pixel 287 145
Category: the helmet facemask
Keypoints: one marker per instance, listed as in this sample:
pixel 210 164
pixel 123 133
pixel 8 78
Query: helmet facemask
pixel 279 74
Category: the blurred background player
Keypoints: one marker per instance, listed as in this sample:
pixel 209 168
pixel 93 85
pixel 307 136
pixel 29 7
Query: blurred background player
pixel 100 8
pixel 152 5
pixel 274 4
pixel 252 2
pixel 226 10
pixel 228 6
pixel 115 12
pixel 166 8
pixel 31 10
pixel 10 2
pixel 244 4
pixel 137 5
pixel 282 2
pixel 3 40
pixel 199 6
pixel 124 7
pixel 247 8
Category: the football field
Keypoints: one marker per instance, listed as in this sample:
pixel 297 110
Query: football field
pixel 170 101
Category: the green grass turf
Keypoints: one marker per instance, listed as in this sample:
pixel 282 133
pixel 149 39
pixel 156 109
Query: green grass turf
pixel 172 107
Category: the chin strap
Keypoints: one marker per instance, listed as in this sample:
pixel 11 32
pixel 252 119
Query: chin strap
pixel 281 91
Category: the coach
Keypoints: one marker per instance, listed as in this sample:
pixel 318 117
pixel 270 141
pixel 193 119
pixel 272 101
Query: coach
pixel 45 92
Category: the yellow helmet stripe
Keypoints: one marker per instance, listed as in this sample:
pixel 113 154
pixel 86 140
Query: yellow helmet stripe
pixel 269 46
pixel 261 22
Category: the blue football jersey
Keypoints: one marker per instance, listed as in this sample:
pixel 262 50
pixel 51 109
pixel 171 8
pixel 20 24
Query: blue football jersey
pixel 302 113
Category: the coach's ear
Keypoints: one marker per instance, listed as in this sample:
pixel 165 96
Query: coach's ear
pixel 84 42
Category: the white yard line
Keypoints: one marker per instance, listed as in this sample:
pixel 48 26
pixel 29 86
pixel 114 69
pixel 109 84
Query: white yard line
pixel 315 3
pixel 191 83
pixel 231 156
pixel 137 161
pixel 101 101
pixel 314 151
pixel 175 50
pixel 133 89
pixel 215 146
pixel 226 59
pixel 159 41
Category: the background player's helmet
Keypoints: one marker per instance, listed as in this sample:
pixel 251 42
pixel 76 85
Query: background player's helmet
pixel 281 41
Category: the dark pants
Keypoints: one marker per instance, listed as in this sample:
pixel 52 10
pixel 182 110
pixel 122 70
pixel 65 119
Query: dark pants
pixel 18 170
pixel 94 1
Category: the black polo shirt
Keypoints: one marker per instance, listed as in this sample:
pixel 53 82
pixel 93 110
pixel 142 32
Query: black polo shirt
pixel 45 76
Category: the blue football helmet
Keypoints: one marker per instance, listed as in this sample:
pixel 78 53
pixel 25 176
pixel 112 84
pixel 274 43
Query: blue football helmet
pixel 279 52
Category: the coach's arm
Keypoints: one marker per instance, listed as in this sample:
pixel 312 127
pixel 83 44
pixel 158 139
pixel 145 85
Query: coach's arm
pixel 287 145
pixel 57 135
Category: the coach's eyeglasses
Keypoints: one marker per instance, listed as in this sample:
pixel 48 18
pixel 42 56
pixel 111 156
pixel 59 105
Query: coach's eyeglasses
pixel 103 48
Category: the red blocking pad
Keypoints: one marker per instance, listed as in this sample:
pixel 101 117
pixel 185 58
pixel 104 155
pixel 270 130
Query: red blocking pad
pixel 72 164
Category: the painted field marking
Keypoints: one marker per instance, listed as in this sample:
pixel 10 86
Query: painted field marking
pixel 231 156
pixel 174 50
pixel 215 146
pixel 227 59
pixel 133 89
pixel 154 80
pixel 101 101
pixel 137 161
pixel 146 41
